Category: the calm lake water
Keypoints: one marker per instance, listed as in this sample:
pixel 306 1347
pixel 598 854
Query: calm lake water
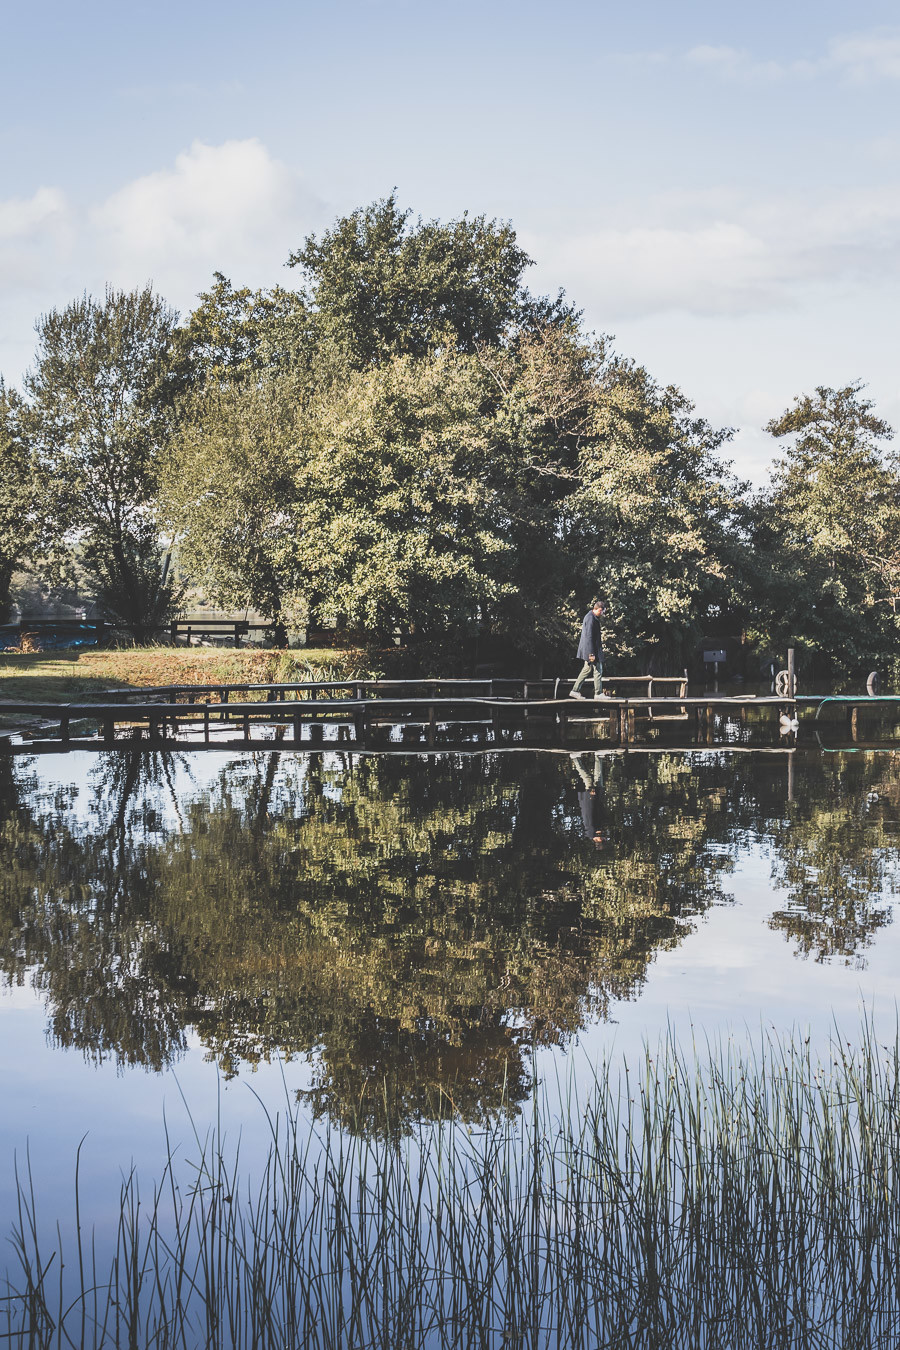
pixel 227 932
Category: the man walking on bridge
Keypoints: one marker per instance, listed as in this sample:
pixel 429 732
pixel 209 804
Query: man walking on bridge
pixel 590 650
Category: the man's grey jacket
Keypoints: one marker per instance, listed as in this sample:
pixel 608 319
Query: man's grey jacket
pixel 591 643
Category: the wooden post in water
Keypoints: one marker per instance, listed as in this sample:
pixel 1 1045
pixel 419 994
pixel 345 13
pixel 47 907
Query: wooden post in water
pixel 359 724
pixel 792 679
pixel 109 731
pixel 206 723
pixel 64 729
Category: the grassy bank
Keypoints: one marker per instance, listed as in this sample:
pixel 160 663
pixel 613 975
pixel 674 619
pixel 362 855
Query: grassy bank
pixel 61 677
pixel 715 1200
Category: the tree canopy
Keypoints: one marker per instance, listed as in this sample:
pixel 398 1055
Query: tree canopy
pixel 411 441
pixel 380 287
pixel 20 497
pixel 658 516
pixel 97 413
pixel 830 527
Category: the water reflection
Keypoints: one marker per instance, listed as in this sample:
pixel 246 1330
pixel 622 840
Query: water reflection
pixel 835 856
pixel 415 925
pixel 591 797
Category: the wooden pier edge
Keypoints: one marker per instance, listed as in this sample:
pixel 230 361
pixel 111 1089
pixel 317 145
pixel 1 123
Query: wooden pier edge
pixel 377 703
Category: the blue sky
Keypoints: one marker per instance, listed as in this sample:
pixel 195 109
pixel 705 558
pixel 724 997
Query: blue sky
pixel 717 185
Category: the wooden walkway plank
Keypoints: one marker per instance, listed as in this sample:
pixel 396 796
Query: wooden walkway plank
pixel 425 703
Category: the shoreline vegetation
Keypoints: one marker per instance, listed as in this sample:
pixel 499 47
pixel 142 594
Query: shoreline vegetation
pixel 59 677
pixel 719 1196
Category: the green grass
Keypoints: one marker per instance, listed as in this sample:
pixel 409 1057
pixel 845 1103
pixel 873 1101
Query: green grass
pixel 718 1199
pixel 64 677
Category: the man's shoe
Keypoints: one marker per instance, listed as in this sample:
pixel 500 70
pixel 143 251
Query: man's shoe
pixel 573 693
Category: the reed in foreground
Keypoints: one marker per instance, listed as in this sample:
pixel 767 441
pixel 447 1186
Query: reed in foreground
pixel 716 1199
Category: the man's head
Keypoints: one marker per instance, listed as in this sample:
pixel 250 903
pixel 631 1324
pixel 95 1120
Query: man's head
pixel 598 605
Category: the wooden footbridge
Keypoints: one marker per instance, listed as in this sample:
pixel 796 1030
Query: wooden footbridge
pixel 373 713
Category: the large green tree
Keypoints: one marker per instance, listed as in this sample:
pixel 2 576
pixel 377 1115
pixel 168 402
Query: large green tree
pixel 486 491
pixel 235 335
pixel 97 416
pixel 657 518
pixel 402 508
pixel 415 441
pixel 20 497
pixel 829 529
pixel 229 492
pixel 381 286
pixel 428 494
pixel 381 503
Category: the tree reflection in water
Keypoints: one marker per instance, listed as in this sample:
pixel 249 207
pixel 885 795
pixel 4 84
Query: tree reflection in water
pixel 835 856
pixel 417 925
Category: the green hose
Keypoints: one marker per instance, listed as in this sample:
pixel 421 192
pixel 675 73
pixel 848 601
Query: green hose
pixel 856 749
pixel 851 698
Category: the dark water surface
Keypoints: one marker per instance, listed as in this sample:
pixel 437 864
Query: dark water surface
pixel 381 936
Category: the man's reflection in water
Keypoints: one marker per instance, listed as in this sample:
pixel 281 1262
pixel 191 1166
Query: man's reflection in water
pixel 590 796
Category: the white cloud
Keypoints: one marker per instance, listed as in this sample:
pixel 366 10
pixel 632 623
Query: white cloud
pixel 22 216
pixel 731 63
pixel 720 266
pixel 858 57
pixel 758 257
pixel 867 56
pixel 231 207
pixel 31 229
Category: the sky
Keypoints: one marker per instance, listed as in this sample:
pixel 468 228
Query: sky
pixel 716 185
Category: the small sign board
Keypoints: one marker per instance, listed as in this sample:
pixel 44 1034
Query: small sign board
pixel 713 656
